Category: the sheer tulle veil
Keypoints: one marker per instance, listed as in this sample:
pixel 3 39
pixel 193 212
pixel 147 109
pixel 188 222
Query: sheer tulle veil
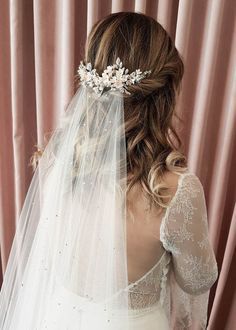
pixel 71 232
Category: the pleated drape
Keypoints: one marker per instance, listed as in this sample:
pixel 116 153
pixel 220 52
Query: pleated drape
pixel 41 44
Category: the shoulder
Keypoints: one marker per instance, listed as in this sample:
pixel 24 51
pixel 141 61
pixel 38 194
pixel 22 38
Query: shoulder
pixel 192 182
pixel 186 182
pixel 173 179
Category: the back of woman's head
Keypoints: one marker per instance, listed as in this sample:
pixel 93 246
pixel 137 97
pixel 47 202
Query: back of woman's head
pixel 153 145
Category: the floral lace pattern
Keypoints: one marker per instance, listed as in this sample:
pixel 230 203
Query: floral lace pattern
pixel 182 278
pixel 150 289
pixel 184 233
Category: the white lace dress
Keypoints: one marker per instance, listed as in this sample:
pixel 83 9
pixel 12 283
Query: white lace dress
pixel 174 293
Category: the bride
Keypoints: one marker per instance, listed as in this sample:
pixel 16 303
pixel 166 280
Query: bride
pixel 113 232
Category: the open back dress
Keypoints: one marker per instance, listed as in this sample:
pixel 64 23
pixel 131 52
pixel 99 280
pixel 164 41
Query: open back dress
pixel 173 293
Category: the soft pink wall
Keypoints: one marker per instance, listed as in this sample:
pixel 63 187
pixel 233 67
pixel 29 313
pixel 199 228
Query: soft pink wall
pixel 41 44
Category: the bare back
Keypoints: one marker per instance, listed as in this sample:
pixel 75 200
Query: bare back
pixel 143 230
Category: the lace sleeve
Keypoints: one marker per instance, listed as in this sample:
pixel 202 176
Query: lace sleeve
pixel 184 233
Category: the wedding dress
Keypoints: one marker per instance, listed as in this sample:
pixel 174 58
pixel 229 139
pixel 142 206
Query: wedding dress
pixel 67 268
pixel 174 293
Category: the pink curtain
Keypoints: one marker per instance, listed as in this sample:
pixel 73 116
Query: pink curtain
pixel 41 44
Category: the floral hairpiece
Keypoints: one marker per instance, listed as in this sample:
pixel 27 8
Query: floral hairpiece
pixel 114 77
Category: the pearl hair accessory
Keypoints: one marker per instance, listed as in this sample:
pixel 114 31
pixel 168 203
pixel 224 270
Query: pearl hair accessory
pixel 114 77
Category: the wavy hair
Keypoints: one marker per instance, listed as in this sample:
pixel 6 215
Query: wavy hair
pixel 153 145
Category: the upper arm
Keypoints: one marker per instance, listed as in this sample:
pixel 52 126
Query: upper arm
pixel 184 233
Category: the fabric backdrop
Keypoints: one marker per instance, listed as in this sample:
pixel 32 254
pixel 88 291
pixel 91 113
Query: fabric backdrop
pixel 41 44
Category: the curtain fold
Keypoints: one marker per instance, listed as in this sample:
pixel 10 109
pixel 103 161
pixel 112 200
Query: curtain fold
pixel 41 45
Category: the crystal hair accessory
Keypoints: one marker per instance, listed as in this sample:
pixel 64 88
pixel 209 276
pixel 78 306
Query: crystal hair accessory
pixel 114 77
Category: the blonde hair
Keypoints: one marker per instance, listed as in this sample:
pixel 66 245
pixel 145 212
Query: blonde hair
pixel 153 145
